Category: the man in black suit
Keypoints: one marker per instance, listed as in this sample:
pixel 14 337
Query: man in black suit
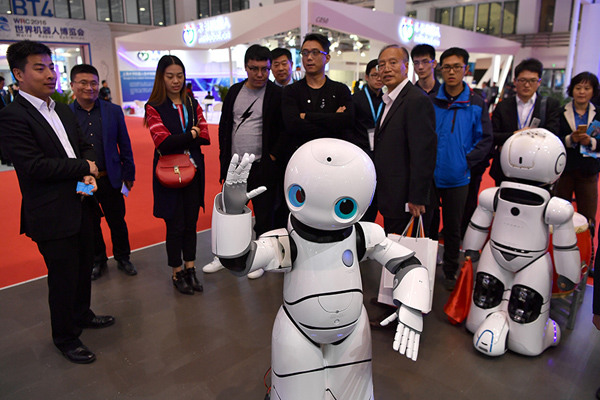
pixel 405 144
pixel 50 157
pixel 526 109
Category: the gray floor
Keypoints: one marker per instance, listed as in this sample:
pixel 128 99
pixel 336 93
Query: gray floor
pixel 216 345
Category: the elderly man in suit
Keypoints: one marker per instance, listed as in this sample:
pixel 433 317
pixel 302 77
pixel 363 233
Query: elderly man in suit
pixel 103 125
pixel 51 159
pixel 526 109
pixel 405 144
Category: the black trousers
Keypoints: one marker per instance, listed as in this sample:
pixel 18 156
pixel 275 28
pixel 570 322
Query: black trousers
pixel 452 202
pixel 69 261
pixel 113 207
pixel 181 228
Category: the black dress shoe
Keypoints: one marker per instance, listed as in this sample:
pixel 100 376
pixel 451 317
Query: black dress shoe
pixel 181 284
pixel 99 268
pixel 127 267
pixel 80 355
pixel 192 279
pixel 99 321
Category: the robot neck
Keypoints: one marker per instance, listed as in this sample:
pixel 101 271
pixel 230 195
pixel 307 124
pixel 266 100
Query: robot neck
pixel 546 186
pixel 318 235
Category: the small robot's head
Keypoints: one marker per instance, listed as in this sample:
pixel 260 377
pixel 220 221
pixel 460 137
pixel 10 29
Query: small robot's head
pixel 535 155
pixel 329 184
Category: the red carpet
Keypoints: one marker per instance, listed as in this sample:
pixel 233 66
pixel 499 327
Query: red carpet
pixel 20 259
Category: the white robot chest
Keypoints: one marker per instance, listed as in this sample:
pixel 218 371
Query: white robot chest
pixel 519 233
pixel 324 289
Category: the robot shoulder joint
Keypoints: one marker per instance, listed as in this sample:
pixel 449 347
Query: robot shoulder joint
pixel 558 211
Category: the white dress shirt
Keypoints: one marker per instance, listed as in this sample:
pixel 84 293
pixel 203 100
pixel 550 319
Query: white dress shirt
pixel 525 111
pixel 388 99
pixel 47 110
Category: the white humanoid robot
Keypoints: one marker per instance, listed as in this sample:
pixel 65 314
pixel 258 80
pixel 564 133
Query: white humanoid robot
pixel 513 283
pixel 321 340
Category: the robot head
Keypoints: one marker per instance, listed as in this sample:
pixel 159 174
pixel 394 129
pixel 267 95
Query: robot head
pixel 534 155
pixel 329 184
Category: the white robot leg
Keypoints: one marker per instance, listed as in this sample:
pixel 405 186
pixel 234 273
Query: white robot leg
pixel 300 372
pixel 531 329
pixel 490 292
pixel 354 379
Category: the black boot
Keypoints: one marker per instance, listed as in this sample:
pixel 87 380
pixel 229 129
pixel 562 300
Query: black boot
pixel 180 283
pixel 192 279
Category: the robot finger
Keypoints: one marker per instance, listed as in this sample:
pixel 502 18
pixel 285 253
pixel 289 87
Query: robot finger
pixel 389 319
pixel 409 345
pixel 256 192
pixel 232 167
pixel 398 337
pixel 404 341
pixel 416 346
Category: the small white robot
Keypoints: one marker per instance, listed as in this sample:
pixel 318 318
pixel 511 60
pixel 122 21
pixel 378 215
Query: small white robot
pixel 321 340
pixel 511 297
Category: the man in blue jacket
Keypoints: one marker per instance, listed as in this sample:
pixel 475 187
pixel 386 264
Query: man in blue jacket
pixel 465 138
pixel 103 125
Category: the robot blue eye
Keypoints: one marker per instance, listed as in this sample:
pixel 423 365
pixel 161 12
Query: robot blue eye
pixel 346 208
pixel 297 196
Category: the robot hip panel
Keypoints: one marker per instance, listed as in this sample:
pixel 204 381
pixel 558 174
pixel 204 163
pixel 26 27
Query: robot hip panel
pixel 513 259
pixel 328 317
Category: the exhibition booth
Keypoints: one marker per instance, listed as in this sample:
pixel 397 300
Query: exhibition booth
pixel 212 49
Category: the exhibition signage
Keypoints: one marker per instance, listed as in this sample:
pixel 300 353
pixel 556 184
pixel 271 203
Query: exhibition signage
pixel 410 30
pixel 210 30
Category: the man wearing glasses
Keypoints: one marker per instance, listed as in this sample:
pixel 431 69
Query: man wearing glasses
pixel 103 125
pixel 315 106
pixel 423 57
pixel 368 106
pixel 525 110
pixel 464 140
pixel 251 123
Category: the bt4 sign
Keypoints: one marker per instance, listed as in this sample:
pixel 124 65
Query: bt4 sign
pixel 34 8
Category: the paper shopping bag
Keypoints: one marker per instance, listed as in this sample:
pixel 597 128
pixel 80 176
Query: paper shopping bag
pixel 425 250
pixel 459 303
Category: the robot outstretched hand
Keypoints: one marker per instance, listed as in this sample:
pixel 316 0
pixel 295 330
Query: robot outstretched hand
pixel 408 332
pixel 234 196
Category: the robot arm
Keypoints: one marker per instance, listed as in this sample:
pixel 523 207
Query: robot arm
pixel 567 261
pixel 232 227
pixel 411 287
pixel 480 223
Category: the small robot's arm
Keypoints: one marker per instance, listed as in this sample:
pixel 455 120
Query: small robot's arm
pixel 567 261
pixel 480 223
pixel 411 287
pixel 231 231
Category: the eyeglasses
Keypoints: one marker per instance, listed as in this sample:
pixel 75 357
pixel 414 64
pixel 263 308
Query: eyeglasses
pixel 423 63
pixel 392 63
pixel 313 52
pixel 255 69
pixel 531 81
pixel 92 84
pixel 374 76
pixel 456 68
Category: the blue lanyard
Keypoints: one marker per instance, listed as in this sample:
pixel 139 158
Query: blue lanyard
pixel 375 117
pixel 185 116
pixel 521 126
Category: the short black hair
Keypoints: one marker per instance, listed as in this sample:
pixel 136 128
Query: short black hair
pixel 455 51
pixel 395 46
pixel 17 53
pixel 584 77
pixel 372 64
pixel 317 37
pixel 103 81
pixel 257 52
pixel 1 78
pixel 529 64
pixel 421 50
pixel 83 69
pixel 280 51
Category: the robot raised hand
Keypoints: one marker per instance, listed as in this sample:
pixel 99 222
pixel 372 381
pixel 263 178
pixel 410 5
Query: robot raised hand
pixel 234 189
pixel 321 337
